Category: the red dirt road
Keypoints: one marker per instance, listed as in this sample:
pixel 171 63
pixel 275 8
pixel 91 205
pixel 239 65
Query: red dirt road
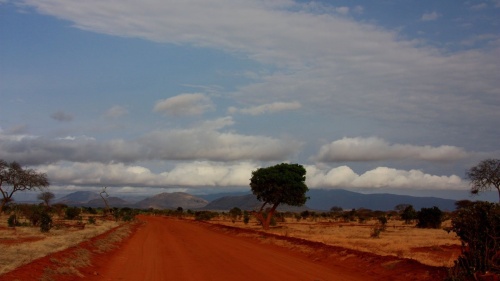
pixel 171 249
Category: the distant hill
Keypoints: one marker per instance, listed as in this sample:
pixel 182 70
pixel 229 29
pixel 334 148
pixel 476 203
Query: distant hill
pixel 172 201
pixel 78 197
pixel 324 199
pixel 247 202
pixel 112 202
pixel 320 199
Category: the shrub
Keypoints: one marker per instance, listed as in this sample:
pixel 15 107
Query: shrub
pixel 45 222
pixel 382 220
pixel 91 220
pixel 12 221
pixel 72 213
pixel 478 226
pixel 246 217
pixel 204 215
pixel 409 214
pixel 429 218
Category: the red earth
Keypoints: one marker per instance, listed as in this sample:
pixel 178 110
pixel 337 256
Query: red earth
pixel 163 248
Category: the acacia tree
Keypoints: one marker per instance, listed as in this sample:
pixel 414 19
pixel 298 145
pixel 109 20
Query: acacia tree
pixel 282 183
pixel 46 197
pixel 14 178
pixel 484 176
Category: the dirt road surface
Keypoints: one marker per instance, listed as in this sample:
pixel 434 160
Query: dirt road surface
pixel 171 249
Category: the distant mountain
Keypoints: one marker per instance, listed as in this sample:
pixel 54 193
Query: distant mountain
pixel 172 201
pixel 320 199
pixel 112 202
pixel 323 199
pixel 78 197
pixel 247 202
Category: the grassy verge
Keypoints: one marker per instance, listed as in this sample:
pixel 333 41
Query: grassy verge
pixel 22 245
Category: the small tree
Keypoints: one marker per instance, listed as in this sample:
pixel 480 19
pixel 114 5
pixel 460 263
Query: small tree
pixel 478 226
pixel 409 214
pixel 14 178
pixel 46 197
pixel 484 176
pixel 235 213
pixel 282 183
pixel 429 218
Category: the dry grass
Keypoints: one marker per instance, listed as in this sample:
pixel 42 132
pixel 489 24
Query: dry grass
pixel 15 252
pixel 398 239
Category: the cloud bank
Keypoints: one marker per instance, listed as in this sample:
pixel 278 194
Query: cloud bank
pixel 377 149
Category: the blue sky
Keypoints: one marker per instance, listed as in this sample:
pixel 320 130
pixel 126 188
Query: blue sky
pixel 153 96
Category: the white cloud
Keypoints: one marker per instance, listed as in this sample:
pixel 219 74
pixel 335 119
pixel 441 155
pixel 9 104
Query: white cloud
pixel 349 61
pixel 378 178
pixel 185 104
pixel 205 141
pixel 377 149
pixel 198 173
pixel 266 108
pixel 431 16
pixel 207 173
pixel 342 10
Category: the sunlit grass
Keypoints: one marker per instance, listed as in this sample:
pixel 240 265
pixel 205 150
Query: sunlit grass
pixel 17 253
pixel 398 239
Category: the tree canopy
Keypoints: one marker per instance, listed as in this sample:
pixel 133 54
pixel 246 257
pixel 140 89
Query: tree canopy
pixel 485 176
pixel 279 184
pixel 15 178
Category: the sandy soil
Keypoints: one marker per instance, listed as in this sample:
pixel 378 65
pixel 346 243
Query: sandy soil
pixel 171 249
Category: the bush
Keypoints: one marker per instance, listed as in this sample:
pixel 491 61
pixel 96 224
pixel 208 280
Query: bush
pixel 91 220
pixel 12 221
pixel 478 226
pixel 429 218
pixel 409 214
pixel 45 222
pixel 204 215
pixel 246 217
pixel 72 213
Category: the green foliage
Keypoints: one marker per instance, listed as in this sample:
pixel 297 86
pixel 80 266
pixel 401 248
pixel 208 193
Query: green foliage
pixel 478 226
pixel 336 209
pixel 429 218
pixel 409 214
pixel 280 184
pixel 12 221
pixel 72 213
pixel 91 220
pixel 382 220
pixel 246 217
pixel 45 222
pixel 204 215
pixel 235 213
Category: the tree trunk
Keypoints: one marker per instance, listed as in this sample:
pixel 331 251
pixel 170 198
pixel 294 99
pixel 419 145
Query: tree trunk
pixel 269 217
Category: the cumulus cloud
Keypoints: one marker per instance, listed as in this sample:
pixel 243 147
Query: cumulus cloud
pixel 207 173
pixel 185 104
pixel 381 177
pixel 61 116
pixel 430 16
pixel 197 173
pixel 204 141
pixel 377 149
pixel 267 108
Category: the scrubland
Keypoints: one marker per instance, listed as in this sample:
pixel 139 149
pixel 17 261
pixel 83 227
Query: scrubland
pixel 435 247
pixel 21 245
